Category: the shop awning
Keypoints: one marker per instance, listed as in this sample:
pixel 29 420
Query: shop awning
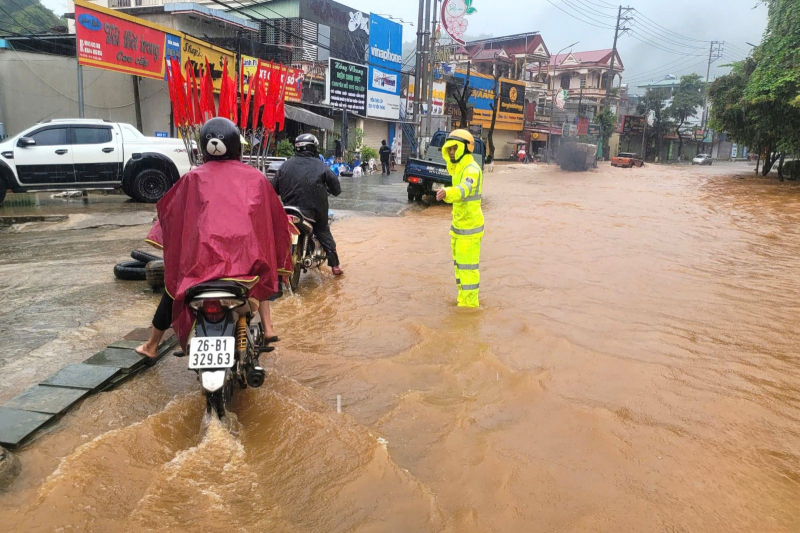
pixel 304 116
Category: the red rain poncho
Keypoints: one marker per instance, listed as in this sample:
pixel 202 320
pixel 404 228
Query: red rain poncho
pixel 220 220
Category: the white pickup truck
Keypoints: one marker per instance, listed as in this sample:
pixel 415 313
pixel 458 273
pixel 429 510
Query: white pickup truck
pixel 83 154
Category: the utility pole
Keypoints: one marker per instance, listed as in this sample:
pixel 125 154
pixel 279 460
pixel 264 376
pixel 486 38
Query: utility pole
pixel 713 55
pixel 620 19
pixel 418 68
pixel 431 61
pixel 425 71
pixel 610 82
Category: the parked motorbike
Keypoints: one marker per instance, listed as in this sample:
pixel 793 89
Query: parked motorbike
pixel 225 347
pixel 307 252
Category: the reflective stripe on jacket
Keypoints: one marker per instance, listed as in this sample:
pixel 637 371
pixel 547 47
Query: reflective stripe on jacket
pixel 465 195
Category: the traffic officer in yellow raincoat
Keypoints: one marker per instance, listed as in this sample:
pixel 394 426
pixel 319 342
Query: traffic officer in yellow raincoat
pixel 466 231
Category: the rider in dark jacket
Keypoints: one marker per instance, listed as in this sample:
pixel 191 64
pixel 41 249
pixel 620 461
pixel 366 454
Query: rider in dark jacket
pixel 305 182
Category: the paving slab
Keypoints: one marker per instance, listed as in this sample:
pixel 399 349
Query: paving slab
pixel 82 376
pixel 16 426
pixel 44 399
pixel 126 359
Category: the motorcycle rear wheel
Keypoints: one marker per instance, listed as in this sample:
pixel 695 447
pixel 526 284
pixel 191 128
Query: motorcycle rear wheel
pixel 294 279
pixel 219 402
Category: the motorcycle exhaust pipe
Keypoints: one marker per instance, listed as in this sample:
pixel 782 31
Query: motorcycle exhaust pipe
pixel 255 377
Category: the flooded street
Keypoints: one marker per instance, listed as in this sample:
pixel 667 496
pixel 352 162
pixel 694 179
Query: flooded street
pixel 633 368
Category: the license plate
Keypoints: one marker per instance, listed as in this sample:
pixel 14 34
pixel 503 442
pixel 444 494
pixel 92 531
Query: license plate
pixel 211 352
pixel 438 186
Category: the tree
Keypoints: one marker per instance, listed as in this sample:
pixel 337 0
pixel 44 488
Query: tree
pixel 462 95
pixel 685 101
pixel 494 106
pixel 607 121
pixel 654 102
pixel 28 16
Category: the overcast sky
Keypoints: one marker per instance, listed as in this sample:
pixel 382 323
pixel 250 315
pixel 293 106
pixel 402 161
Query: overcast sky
pixel 733 21
pixel 677 28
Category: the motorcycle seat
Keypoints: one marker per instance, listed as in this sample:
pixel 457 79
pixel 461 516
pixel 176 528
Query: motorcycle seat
pixel 298 212
pixel 235 288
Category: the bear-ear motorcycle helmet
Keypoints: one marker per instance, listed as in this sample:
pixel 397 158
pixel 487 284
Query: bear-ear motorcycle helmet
pixel 220 140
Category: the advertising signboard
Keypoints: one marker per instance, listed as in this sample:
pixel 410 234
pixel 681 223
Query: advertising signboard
pixel 511 113
pixel 294 85
pixel 633 124
pixel 439 95
pixel 111 40
pixel 347 86
pixel 385 56
pixel 173 49
pixel 197 51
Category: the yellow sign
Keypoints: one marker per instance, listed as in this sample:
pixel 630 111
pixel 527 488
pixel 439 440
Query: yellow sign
pixel 197 51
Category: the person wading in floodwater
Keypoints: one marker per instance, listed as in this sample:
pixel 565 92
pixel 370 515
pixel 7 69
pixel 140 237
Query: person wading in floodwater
pixel 466 231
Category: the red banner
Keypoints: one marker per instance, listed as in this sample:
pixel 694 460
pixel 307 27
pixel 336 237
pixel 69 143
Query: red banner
pixel 583 126
pixel 294 84
pixel 114 42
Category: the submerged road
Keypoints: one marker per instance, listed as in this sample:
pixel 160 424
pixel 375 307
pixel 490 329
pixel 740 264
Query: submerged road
pixel 633 368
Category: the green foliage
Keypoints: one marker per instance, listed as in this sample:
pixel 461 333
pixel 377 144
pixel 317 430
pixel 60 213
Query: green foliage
pixel 687 98
pixel 368 153
pixel 356 140
pixel 607 120
pixel 29 16
pixel 285 148
pixel 776 78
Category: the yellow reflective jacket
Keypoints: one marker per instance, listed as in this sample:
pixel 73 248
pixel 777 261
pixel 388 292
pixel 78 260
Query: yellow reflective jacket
pixel 465 195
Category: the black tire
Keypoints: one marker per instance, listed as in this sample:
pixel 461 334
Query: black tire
pixel 411 197
pixel 3 189
pixel 294 279
pixel 144 257
pixel 418 196
pixel 130 271
pixel 150 185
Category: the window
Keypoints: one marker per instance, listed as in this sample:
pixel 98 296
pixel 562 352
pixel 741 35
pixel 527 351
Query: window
pixel 583 81
pixel 92 135
pixel 50 137
pixel 565 81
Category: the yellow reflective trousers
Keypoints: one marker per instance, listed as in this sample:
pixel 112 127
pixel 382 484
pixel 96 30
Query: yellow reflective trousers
pixel 466 258
pixel 466 231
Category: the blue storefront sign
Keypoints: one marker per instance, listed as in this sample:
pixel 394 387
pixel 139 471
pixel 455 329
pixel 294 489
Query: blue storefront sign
pixel 172 49
pixel 385 57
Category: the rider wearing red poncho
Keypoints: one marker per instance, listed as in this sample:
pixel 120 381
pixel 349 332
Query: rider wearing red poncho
pixel 221 220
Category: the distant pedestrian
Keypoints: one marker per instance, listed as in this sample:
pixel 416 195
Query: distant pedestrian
pixel 385 152
pixel 395 151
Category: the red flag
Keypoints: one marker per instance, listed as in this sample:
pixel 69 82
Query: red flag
pixel 280 110
pixel 177 115
pixel 229 89
pixel 207 94
pixel 179 86
pixel 273 93
pixel 247 105
pixel 192 93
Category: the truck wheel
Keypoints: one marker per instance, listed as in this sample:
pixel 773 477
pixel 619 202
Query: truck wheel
pixel 418 196
pixel 3 188
pixel 150 185
pixel 411 197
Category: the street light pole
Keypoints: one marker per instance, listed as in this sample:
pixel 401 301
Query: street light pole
pixel 553 97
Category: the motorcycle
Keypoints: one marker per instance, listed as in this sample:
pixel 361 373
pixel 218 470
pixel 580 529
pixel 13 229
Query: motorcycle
pixel 307 252
pixel 225 347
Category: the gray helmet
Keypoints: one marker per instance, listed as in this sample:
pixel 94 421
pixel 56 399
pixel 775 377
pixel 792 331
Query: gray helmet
pixel 306 143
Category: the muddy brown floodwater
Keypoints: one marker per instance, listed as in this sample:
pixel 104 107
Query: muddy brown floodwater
pixel 633 368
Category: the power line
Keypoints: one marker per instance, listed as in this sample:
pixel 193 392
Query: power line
pixel 642 27
pixel 598 5
pixel 604 26
pixel 22 10
pixel 591 9
pixel 672 64
pixel 643 39
pixel 670 31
